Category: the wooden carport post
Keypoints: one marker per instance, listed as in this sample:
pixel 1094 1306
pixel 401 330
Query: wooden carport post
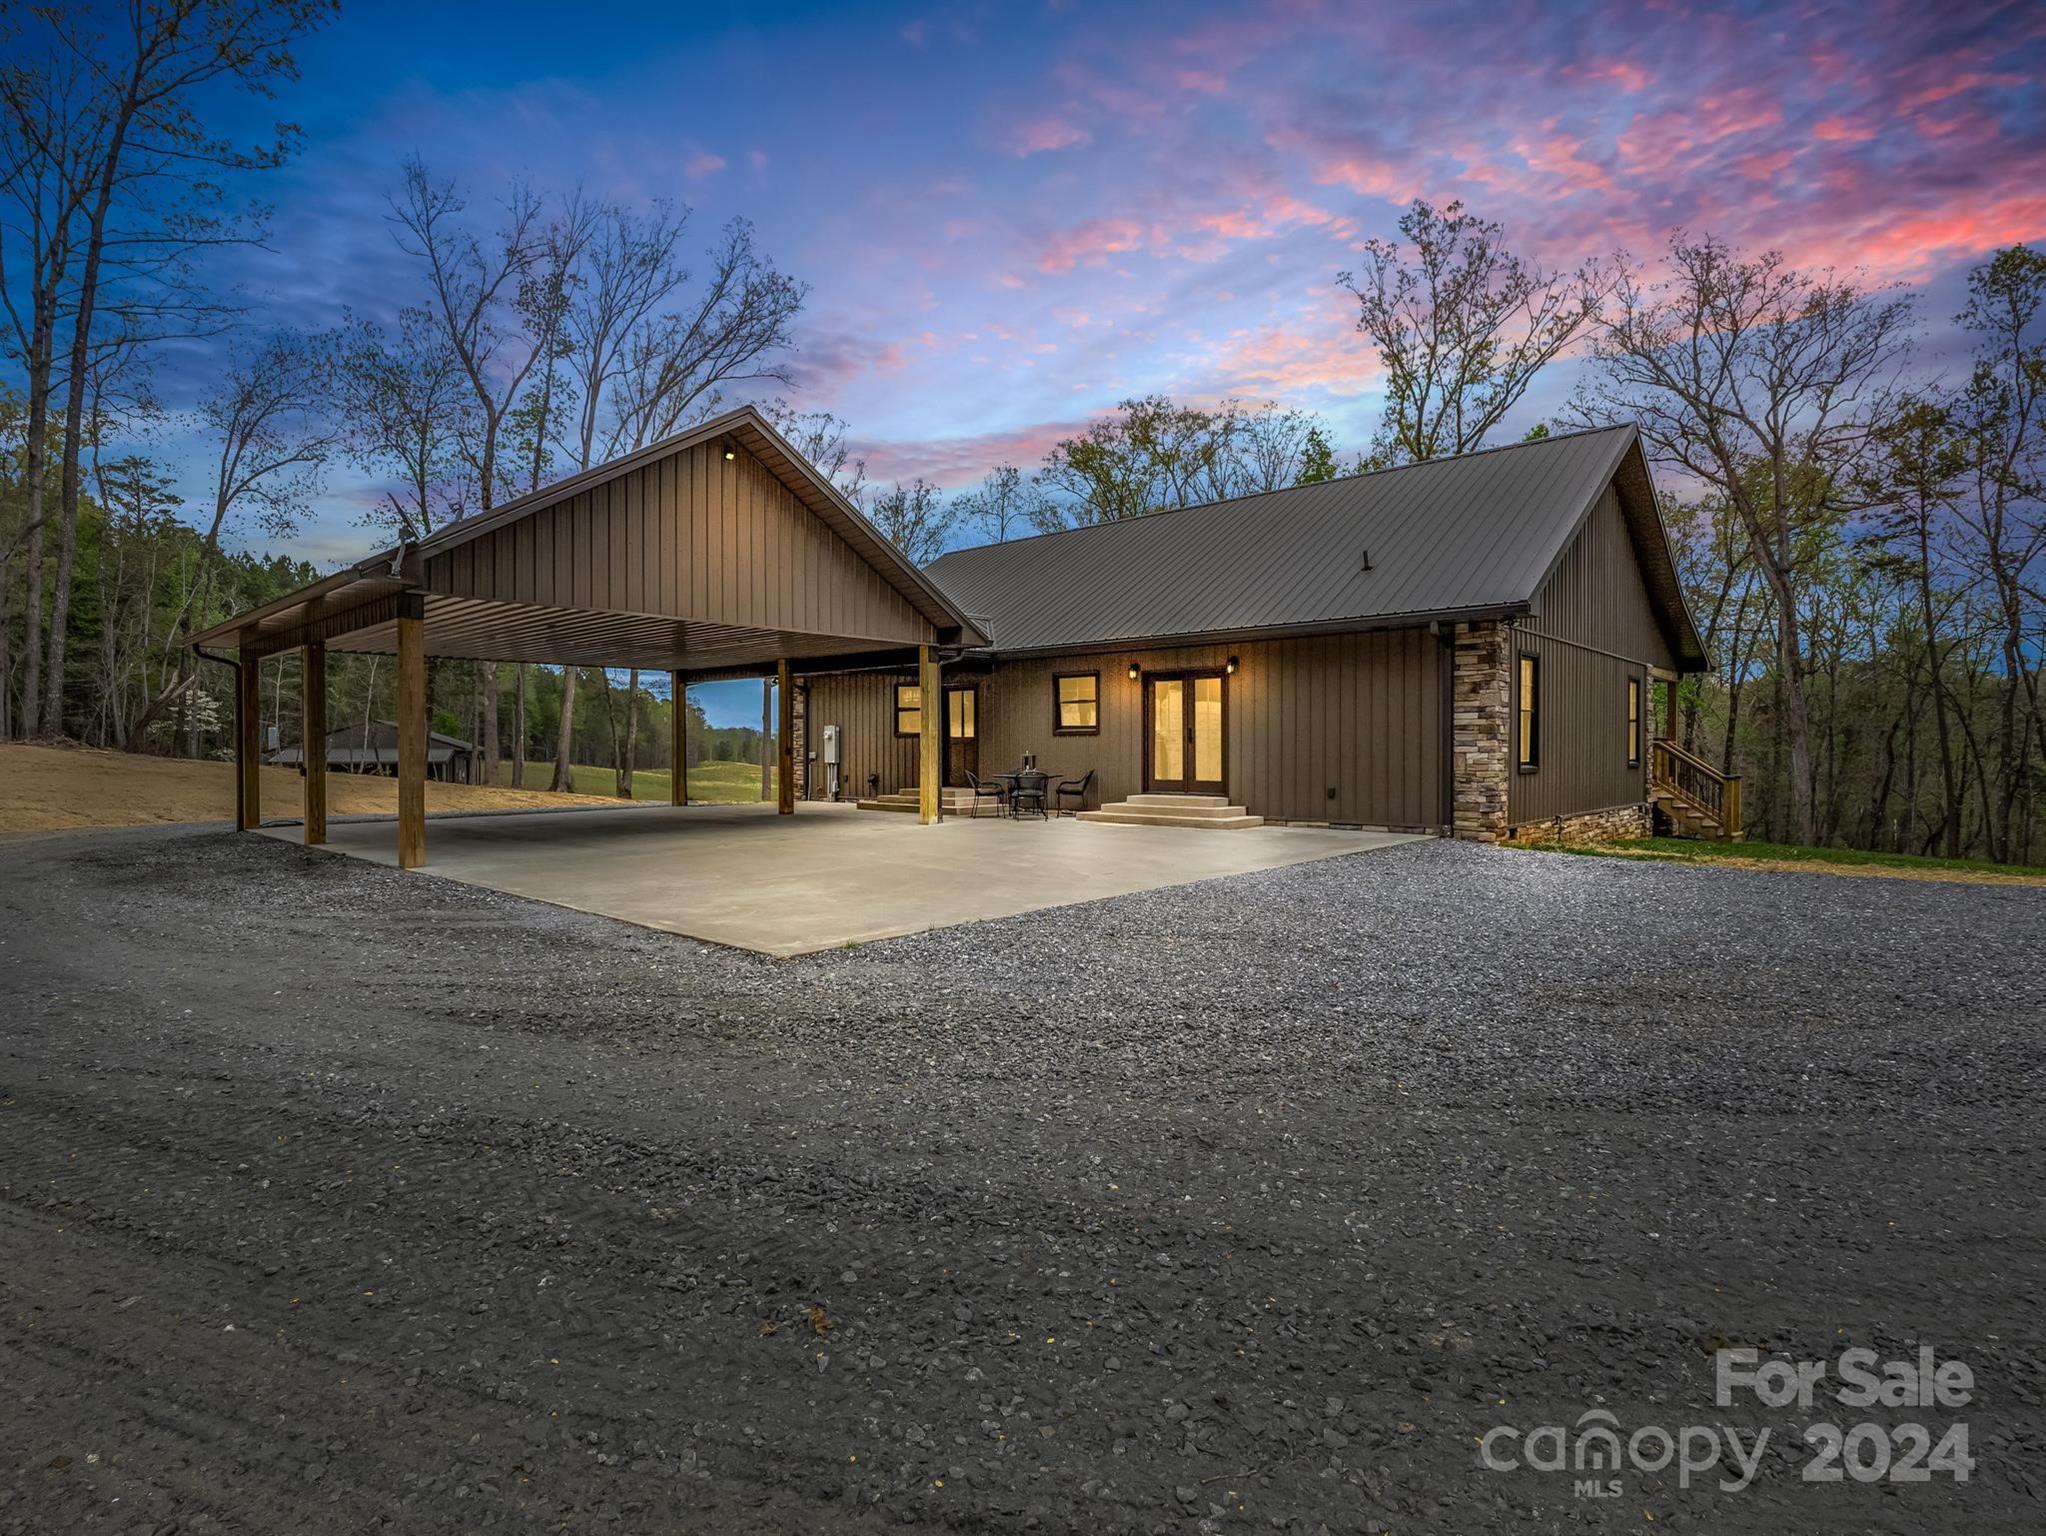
pixel 930 755
pixel 248 746
pixel 678 740
pixel 313 740
pixel 785 735
pixel 411 730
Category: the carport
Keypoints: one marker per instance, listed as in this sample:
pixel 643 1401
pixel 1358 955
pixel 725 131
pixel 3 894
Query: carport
pixel 717 553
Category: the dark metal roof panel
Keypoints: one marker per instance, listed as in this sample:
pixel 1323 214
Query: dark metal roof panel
pixel 1475 532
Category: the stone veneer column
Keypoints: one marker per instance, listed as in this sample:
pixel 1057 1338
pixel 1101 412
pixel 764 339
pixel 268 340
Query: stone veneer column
pixel 799 735
pixel 1479 722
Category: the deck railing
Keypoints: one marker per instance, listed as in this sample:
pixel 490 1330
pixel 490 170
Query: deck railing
pixel 1691 778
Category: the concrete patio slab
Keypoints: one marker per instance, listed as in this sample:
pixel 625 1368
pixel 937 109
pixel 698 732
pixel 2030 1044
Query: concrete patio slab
pixel 829 875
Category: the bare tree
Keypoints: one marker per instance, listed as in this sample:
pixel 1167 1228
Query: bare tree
pixel 916 519
pixel 1462 326
pixel 406 402
pixel 1764 383
pixel 819 438
pixel 2001 414
pixel 673 364
pixel 1156 453
pixel 50 137
pixel 1007 505
pixel 152 187
pixel 273 437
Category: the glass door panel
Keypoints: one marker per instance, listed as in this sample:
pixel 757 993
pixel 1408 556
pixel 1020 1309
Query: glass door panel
pixel 1207 732
pixel 1168 733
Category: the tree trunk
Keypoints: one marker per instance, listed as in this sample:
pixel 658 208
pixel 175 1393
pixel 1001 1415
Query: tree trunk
pixel 1939 694
pixel 518 762
pixel 486 702
pixel 564 746
pixel 631 751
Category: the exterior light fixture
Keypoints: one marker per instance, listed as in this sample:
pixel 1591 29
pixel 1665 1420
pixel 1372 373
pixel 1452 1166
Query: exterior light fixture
pixel 730 451
pixel 1229 666
pixel 1135 670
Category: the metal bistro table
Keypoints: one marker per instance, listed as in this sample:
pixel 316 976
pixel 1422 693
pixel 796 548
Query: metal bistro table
pixel 1013 781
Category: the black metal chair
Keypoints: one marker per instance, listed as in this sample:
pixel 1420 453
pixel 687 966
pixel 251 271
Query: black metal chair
pixel 997 791
pixel 1028 795
pixel 1074 790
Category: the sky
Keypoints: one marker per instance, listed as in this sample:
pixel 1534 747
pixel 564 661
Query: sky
pixel 1013 215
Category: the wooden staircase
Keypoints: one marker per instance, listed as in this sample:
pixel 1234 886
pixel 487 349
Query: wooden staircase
pixel 1695 797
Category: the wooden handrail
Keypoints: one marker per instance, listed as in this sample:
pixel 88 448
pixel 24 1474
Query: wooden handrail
pixel 1691 777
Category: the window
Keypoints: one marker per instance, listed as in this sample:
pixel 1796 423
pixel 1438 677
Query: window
pixel 1076 697
pixel 1527 741
pixel 909 709
pixel 960 724
pixel 1633 722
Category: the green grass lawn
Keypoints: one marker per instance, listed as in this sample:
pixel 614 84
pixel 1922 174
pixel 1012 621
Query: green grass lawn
pixel 721 783
pixel 1694 850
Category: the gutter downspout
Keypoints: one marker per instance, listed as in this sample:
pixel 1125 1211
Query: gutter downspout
pixel 236 666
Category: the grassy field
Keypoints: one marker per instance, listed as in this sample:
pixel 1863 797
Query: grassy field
pixel 1790 856
pixel 717 783
pixel 58 789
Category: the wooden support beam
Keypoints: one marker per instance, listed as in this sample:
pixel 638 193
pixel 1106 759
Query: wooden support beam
pixel 313 741
pixel 678 741
pixel 248 746
pixel 930 741
pixel 411 730
pixel 785 736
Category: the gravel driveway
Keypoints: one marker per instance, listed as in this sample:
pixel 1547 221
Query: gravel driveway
pixel 341 1200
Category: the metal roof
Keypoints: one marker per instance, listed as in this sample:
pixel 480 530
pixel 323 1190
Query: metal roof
pixel 1467 536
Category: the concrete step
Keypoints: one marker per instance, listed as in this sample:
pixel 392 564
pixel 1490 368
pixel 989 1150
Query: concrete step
pixel 1206 817
pixel 1165 802
pixel 949 800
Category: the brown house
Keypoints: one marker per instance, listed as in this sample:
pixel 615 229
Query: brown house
pixel 1465 646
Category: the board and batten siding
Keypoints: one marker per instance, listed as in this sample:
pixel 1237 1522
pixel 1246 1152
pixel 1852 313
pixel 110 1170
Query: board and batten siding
pixel 1593 627
pixel 1359 715
pixel 862 706
pixel 691 536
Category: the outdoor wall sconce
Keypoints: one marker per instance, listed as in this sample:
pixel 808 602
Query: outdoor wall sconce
pixel 1229 666
pixel 730 451
pixel 1135 670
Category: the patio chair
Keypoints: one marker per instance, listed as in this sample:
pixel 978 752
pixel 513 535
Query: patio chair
pixel 997 792
pixel 1028 795
pixel 1074 790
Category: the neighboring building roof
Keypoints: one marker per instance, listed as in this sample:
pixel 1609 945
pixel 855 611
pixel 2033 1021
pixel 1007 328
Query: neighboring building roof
pixel 346 745
pixel 1471 536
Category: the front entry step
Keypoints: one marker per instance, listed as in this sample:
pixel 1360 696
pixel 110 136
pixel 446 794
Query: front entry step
pixel 1212 813
pixel 951 802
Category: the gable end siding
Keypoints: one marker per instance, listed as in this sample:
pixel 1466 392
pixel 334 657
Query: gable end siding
pixel 1593 627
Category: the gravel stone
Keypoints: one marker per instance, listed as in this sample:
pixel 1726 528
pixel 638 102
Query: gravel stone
pixel 1258 1200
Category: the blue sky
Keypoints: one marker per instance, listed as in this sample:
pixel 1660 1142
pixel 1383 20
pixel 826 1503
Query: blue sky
pixel 1013 215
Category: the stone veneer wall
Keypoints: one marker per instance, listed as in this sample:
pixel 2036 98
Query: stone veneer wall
pixel 1604 826
pixel 799 734
pixel 1480 721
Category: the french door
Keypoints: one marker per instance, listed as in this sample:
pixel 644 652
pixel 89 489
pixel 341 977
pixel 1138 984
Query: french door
pixel 962 735
pixel 1183 729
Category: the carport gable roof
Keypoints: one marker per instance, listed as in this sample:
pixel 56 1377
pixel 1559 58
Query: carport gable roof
pixel 1468 537
pixel 367 590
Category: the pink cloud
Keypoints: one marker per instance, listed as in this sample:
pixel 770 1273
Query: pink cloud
pixel 1092 242
pixel 1838 130
pixel 702 163
pixel 1042 135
